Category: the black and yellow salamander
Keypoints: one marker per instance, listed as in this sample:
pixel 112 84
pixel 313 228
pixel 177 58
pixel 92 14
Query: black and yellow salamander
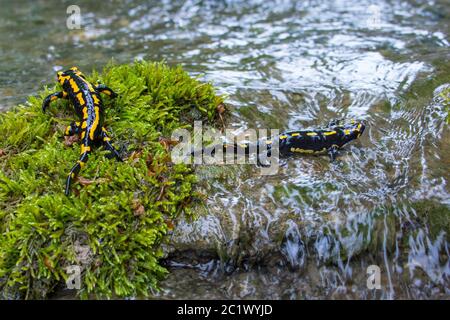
pixel 327 140
pixel 88 106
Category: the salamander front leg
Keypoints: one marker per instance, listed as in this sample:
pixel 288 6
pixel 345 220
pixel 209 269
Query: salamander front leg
pixel 52 97
pixel 332 152
pixel 334 123
pixel 106 90
pixel 108 146
pixel 85 150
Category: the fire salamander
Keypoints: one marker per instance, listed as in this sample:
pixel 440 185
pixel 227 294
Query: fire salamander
pixel 89 108
pixel 328 140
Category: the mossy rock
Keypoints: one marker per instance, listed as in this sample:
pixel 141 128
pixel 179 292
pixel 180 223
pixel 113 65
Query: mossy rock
pixel 118 216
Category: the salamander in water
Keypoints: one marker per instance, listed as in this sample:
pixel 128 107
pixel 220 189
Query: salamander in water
pixel 327 140
pixel 88 106
pixel 330 139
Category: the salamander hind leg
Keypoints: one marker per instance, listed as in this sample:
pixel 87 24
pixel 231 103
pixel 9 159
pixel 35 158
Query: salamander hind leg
pixel 106 90
pixel 332 152
pixel 334 123
pixel 108 146
pixel 73 129
pixel 85 150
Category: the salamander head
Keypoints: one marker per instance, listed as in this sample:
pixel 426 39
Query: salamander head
pixel 351 130
pixel 63 76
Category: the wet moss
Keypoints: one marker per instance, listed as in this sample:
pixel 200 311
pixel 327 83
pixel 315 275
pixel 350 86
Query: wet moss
pixel 299 193
pixel 435 215
pixel 117 218
pixel 391 54
pixel 445 94
pixel 382 232
pixel 422 89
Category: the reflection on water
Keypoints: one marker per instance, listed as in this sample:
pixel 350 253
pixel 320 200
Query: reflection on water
pixel 312 230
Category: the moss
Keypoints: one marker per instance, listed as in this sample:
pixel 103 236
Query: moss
pixel 422 89
pixel 381 235
pixel 435 215
pixel 113 224
pixel 297 192
pixel 445 94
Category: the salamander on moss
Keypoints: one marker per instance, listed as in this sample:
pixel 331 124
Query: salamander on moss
pixel 88 106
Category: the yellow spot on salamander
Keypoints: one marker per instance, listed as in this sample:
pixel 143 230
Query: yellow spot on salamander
pixel 81 163
pixel 83 134
pixel 311 134
pixel 74 85
pixel 53 98
pixel 85 115
pixel 295 134
pixel 96 100
pixel 283 137
pixel 107 92
pixel 80 99
pixel 84 125
pixel 329 133
pixel 106 139
pixel 95 124
pixel 347 131
pixel 300 150
pixel 85 149
pixel 62 78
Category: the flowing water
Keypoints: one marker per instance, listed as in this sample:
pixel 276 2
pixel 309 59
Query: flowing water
pixel 312 230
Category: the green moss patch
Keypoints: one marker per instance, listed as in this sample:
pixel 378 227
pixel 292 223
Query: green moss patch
pixel 445 94
pixel 435 215
pixel 119 213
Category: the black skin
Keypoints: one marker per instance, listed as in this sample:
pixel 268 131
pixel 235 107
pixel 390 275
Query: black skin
pixel 328 140
pixel 88 106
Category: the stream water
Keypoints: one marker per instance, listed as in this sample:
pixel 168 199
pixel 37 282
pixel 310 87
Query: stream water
pixel 312 230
